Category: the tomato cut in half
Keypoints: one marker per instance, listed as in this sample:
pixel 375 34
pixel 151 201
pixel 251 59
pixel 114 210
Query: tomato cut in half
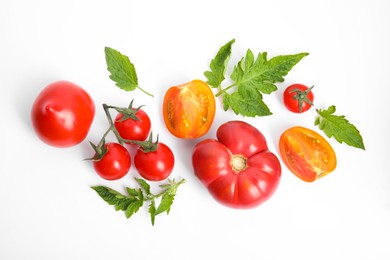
pixel 306 153
pixel 189 109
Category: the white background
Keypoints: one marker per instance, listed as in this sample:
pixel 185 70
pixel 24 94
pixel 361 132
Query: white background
pixel 48 210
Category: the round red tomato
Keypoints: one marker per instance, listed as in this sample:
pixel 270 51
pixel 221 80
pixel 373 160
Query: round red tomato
pixel 155 165
pixel 298 98
pixel 189 109
pixel 135 127
pixel 62 114
pixel 115 162
pixel 306 153
pixel 237 168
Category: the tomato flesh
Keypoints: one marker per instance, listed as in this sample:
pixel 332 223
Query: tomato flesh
pixel 306 153
pixel 189 109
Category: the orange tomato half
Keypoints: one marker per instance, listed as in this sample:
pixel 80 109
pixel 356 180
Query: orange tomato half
pixel 306 153
pixel 189 109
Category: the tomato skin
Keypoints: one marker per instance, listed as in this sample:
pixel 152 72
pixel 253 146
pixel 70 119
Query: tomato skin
pixel 114 164
pixel 306 153
pixel 238 169
pixel 156 165
pixel 291 98
pixel 62 114
pixel 189 109
pixel 134 129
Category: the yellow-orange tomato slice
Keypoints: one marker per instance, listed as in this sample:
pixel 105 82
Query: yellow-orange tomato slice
pixel 189 109
pixel 306 153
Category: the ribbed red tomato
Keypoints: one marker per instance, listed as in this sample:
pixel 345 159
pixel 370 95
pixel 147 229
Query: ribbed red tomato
pixel 237 168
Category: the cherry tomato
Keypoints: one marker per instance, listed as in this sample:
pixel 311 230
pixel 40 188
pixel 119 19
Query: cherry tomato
pixel 62 114
pixel 237 168
pixel 114 164
pixel 156 165
pixel 306 153
pixel 298 98
pixel 136 127
pixel 189 109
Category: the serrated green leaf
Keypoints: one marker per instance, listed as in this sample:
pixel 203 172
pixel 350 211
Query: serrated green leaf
pixel 165 204
pixel 248 105
pixel 152 211
pixel 133 208
pixel 122 70
pixel 113 197
pixel 338 127
pixel 144 185
pixel 218 65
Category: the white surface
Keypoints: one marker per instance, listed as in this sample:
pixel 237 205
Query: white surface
pixel 48 210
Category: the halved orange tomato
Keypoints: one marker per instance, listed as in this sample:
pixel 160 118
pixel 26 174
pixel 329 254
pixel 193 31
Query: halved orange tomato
pixel 189 109
pixel 306 153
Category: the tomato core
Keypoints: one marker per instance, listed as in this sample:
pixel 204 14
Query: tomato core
pixel 238 163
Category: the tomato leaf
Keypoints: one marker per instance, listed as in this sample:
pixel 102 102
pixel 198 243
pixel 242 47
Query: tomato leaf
pixel 165 204
pixel 246 104
pixel 122 71
pixel 136 198
pixel 338 127
pixel 218 65
pixel 251 75
pixel 152 211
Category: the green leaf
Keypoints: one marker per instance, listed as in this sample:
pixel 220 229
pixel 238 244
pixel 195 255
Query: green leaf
pixel 135 200
pixel 133 208
pixel 144 185
pixel 253 77
pixel 165 204
pixel 152 211
pixel 338 127
pixel 261 73
pixel 113 197
pixel 246 103
pixel 218 65
pixel 122 70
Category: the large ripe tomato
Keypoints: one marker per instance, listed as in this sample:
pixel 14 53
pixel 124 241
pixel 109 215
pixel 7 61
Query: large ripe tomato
pixel 155 165
pixel 115 162
pixel 62 114
pixel 298 98
pixel 189 109
pixel 134 127
pixel 238 169
pixel 306 153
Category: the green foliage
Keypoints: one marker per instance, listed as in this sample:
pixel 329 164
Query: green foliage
pixel 338 127
pixel 135 198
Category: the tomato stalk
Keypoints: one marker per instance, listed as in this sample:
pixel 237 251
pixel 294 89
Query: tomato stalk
pixel 224 90
pixel 146 146
pixel 301 96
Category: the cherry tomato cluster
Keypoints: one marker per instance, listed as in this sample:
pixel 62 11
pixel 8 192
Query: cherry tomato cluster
pixel 154 161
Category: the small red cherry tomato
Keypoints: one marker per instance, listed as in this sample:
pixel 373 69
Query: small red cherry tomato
pixel 135 127
pixel 62 114
pixel 298 98
pixel 115 162
pixel 155 165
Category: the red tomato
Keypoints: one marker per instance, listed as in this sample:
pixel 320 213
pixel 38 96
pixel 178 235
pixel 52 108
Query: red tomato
pixel 189 109
pixel 306 153
pixel 237 168
pixel 156 165
pixel 134 129
pixel 114 164
pixel 62 114
pixel 298 98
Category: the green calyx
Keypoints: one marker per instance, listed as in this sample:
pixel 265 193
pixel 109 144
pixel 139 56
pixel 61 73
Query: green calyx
pixel 301 96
